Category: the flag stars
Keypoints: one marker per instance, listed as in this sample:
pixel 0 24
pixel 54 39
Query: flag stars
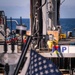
pixel 45 66
pixel 36 69
pixel 40 63
pixel 35 60
pixel 50 65
pixel 41 73
pixel 35 65
pixel 51 70
pixel 35 56
pixel 31 62
pixel 36 74
pixel 56 70
pixel 44 61
pixel 31 58
pixel 39 58
pixel 32 67
pixel 46 72
pixel 32 72
pixel 32 53
pixel 40 68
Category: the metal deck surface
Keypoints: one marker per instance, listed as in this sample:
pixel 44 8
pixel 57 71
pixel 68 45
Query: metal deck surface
pixel 67 41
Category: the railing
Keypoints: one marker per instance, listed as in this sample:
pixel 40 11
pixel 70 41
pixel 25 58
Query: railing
pixel 13 43
pixel 24 51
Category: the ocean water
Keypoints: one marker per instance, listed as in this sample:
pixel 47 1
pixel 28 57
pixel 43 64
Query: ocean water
pixel 67 24
pixel 25 22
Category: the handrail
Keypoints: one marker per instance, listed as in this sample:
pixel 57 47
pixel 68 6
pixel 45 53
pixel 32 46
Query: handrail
pixel 2 33
pixel 42 5
pixel 24 51
pixel 14 21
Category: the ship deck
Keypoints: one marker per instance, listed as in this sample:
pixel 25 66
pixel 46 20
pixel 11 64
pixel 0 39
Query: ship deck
pixel 14 57
pixel 67 41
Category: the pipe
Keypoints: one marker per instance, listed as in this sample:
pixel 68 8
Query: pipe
pixel 14 21
pixel 21 20
pixel 5 44
pixel 58 12
pixel 11 24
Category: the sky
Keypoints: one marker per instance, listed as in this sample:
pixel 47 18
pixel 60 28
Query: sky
pixel 16 8
pixel 67 9
pixel 21 8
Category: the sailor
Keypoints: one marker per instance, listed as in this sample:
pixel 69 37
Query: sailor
pixel 50 42
pixel 56 48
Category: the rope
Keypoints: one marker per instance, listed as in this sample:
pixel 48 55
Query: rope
pixel 62 2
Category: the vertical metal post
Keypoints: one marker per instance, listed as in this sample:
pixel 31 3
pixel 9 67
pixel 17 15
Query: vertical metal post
pixel 21 33
pixel 58 12
pixel 11 24
pixel 63 62
pixel 5 26
pixel 55 12
pixel 70 66
pixel 21 20
pixel 12 43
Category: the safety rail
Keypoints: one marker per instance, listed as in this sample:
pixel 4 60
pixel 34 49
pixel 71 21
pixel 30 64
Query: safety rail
pixel 23 54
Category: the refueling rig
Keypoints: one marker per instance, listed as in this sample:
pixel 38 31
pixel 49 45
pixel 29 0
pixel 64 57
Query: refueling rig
pixel 45 26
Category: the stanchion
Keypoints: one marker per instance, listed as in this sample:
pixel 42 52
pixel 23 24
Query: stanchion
pixel 5 44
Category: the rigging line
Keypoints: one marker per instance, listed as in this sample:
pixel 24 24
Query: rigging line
pixel 37 10
pixel 41 5
pixel 36 31
pixel 62 2
pixel 33 29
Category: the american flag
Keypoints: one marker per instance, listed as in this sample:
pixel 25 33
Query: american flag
pixel 40 65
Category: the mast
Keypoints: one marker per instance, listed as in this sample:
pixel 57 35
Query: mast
pixel 44 18
pixel 31 16
pixel 36 16
pixel 58 12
